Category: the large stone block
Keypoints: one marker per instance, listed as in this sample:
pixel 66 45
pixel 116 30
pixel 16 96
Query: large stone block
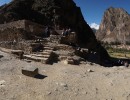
pixel 30 71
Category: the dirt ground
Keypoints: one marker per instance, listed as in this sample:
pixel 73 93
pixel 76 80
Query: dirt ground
pixel 62 82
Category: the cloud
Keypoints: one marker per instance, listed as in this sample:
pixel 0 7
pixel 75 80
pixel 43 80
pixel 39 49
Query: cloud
pixel 94 25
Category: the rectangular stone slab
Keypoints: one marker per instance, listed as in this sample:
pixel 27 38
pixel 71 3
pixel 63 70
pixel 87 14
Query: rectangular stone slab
pixel 30 71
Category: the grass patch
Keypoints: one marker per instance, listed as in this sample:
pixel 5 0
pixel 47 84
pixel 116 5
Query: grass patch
pixel 118 53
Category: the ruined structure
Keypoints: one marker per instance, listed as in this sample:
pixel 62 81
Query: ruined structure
pixel 57 15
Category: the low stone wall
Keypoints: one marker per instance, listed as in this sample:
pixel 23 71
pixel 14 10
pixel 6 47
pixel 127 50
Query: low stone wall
pixel 27 46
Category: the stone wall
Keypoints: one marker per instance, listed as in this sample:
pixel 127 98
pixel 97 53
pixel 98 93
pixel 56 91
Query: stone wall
pixel 27 46
pixel 26 25
pixel 12 34
pixel 21 30
pixel 16 24
pixel 33 27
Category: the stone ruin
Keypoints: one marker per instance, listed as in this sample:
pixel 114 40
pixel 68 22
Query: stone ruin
pixel 26 40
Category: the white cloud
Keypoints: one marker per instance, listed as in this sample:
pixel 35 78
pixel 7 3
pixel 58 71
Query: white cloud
pixel 94 25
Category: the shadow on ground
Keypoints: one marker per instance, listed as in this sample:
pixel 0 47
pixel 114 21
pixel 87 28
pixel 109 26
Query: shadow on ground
pixel 1 56
pixel 39 76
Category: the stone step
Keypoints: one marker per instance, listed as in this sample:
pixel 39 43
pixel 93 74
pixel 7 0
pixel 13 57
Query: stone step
pixel 62 45
pixel 65 47
pixel 41 55
pixel 65 57
pixel 62 57
pixel 38 59
pixel 16 51
pixel 45 53
pixel 48 48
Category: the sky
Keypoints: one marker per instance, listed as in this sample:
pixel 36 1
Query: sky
pixel 93 10
pixel 4 1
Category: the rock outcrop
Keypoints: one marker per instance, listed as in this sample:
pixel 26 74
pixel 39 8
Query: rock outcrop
pixel 58 14
pixel 115 26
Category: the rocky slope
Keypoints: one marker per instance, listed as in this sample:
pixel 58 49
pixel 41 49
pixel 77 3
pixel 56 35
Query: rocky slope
pixel 62 14
pixel 115 26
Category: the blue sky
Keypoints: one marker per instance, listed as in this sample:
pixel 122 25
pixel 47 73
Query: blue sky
pixel 93 10
pixel 4 1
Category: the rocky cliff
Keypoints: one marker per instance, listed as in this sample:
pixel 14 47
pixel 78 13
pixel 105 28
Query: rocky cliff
pixel 115 26
pixel 55 13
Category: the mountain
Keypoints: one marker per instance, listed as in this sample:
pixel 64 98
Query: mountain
pixel 94 30
pixel 115 26
pixel 54 13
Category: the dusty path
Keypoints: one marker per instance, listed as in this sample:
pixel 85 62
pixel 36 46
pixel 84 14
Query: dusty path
pixel 63 82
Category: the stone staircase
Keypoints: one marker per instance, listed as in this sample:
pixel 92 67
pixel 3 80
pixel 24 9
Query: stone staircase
pixel 44 57
pixel 53 51
pixel 65 53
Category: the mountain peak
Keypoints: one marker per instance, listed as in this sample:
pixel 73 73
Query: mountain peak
pixel 114 25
